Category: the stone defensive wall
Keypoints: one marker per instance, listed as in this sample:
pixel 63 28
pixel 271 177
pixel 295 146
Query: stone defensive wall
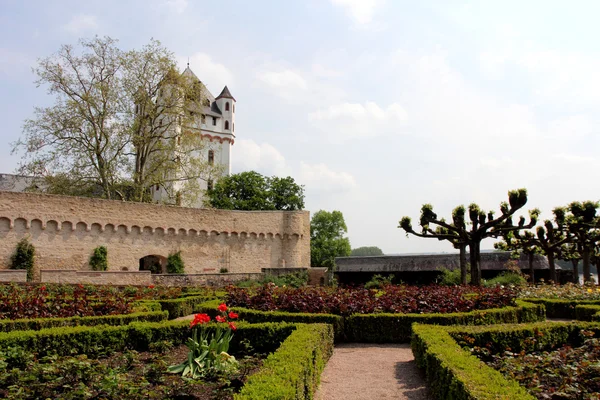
pixel 65 231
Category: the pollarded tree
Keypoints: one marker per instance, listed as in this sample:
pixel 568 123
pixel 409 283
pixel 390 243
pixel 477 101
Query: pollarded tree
pixel 583 223
pixel 458 240
pixel 547 241
pixel 570 252
pixel 483 226
pixel 327 239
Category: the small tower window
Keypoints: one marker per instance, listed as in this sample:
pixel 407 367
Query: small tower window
pixel 234 108
pixel 209 184
pixel 227 106
pixel 178 140
pixel 137 108
pixel 203 118
pixel 211 157
pixel 214 121
pixel 226 125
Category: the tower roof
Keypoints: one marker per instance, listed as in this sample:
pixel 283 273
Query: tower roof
pixel 189 73
pixel 225 93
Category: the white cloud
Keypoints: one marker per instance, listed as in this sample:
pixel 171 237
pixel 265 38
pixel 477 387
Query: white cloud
pixel 179 6
pixel 362 11
pixel 285 80
pixel 247 155
pixel 81 23
pixel 13 63
pixel 213 74
pixel 319 177
pixel 321 71
pixel 347 120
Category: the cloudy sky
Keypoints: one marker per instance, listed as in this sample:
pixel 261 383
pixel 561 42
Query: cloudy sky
pixel 375 106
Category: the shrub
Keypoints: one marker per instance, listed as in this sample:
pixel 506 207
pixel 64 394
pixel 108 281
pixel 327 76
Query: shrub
pixel 295 280
pixel 379 281
pixel 507 278
pixel 175 263
pixel 450 277
pixel 223 270
pixel 24 257
pixel 98 260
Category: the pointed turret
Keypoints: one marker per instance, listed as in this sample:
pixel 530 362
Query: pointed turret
pixel 225 94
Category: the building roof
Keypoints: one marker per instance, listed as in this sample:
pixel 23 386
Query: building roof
pixel 225 93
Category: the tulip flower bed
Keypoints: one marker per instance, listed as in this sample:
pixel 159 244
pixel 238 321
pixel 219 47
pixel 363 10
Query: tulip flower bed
pixel 568 291
pixel 392 299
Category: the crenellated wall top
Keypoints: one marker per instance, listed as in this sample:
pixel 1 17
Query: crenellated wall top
pixel 111 215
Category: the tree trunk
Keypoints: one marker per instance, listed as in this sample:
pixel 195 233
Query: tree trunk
pixel 586 264
pixel 475 267
pixel 575 271
pixel 531 272
pixel 552 266
pixel 463 264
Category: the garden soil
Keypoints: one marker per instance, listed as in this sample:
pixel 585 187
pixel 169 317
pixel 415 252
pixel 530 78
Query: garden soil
pixel 371 371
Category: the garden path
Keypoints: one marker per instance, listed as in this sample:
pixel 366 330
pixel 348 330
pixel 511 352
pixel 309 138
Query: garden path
pixel 372 371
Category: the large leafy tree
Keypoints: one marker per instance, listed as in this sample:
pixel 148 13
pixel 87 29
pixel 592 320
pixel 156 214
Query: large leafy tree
pixel 327 238
pixel 118 125
pixel 367 251
pixel 253 191
pixel 482 225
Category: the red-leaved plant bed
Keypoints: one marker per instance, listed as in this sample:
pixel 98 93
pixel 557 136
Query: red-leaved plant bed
pixel 391 299
pixel 18 302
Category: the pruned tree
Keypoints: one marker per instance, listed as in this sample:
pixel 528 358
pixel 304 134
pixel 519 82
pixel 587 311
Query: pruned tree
pixel 458 239
pixel 583 223
pixel 570 252
pixel 547 240
pixel 482 225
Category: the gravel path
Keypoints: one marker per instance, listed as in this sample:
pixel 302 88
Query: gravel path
pixel 371 371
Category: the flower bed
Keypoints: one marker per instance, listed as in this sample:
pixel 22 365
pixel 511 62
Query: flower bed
pixel 455 373
pixel 567 373
pixel 392 299
pixel 568 291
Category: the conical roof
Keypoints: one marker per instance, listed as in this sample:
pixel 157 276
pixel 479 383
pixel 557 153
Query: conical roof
pixel 225 93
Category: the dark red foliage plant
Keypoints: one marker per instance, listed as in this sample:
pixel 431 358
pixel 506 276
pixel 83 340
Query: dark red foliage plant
pixel 392 299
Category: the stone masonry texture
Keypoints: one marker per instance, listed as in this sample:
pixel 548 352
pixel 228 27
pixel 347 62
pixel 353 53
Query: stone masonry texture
pixel 65 231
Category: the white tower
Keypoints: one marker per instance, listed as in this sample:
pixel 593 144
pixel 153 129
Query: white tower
pixel 216 125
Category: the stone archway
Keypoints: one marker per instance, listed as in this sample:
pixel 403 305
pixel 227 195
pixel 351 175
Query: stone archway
pixel 154 263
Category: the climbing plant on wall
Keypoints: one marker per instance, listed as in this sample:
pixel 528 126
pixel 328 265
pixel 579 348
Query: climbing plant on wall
pixel 24 257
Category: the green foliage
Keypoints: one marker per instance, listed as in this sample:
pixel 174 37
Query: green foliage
pixel 379 281
pixel 561 308
pixel 24 257
pixel 182 306
pixel 113 320
pixel 175 263
pixel 295 280
pixel 294 370
pixel 450 277
pixel 587 312
pixel 366 251
pixel 453 373
pixel 253 191
pixel 396 328
pixel 327 241
pixel 98 260
pixel 507 278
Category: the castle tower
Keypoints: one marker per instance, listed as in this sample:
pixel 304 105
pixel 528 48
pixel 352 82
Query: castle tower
pixel 226 103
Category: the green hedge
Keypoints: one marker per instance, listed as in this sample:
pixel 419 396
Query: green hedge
pixel 388 328
pixel 263 338
pixel 256 316
pixel 294 370
pixel 453 373
pixel 587 312
pixel 182 306
pixel 43 323
pixel 559 308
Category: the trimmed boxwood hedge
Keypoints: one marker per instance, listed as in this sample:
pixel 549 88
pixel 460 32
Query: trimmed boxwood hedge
pixel 114 320
pixel 388 328
pixel 300 351
pixel 453 373
pixel 294 370
pixel 587 312
pixel 182 306
pixel 561 308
